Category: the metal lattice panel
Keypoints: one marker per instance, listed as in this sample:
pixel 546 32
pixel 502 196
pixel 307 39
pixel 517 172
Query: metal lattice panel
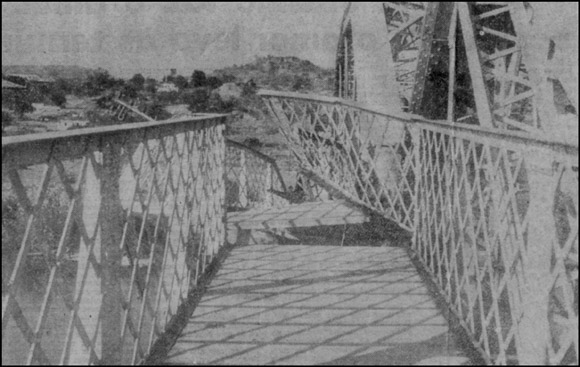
pixel 493 216
pixel 111 228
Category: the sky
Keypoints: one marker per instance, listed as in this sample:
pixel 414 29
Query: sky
pixel 151 38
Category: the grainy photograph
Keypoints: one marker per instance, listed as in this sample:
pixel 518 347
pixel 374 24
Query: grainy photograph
pixel 387 183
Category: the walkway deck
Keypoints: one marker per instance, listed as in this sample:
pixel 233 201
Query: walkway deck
pixel 309 214
pixel 297 304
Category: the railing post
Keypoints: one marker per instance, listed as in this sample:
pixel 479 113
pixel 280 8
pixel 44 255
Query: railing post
pixel 243 182
pixel 111 254
pixel 99 308
pixel 415 133
pixel 534 327
pixel 177 275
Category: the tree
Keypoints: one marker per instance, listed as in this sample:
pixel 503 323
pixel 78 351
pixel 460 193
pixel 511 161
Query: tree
pixel 197 99
pixel 58 97
pixel 99 81
pixel 129 91
pixel 198 79
pixel 23 105
pixel 227 78
pixel 138 81
pixel 214 82
pixel 150 85
pixel 180 82
pixel 301 82
pixel 63 85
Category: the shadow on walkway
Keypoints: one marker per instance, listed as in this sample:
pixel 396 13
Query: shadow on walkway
pixel 299 304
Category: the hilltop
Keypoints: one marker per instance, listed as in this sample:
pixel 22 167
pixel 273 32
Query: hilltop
pixel 50 71
pixel 282 73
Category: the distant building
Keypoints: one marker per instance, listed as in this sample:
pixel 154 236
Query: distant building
pixel 36 86
pixel 167 87
pixel 28 80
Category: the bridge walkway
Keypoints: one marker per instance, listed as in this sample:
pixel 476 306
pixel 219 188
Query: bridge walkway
pixel 312 304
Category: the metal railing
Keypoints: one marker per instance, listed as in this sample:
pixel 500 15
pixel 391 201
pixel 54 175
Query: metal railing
pixel 494 215
pixel 253 180
pixel 104 233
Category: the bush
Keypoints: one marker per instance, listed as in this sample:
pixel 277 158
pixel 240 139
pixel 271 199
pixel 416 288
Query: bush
pixel 168 97
pixel 301 82
pixel 23 105
pixel 156 111
pixel 7 119
pixel 129 91
pixel 198 99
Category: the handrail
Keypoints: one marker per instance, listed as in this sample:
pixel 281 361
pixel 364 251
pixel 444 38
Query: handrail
pixel 477 132
pixel 101 130
pixel 491 212
pixel 73 143
pixel 262 156
pixel 127 219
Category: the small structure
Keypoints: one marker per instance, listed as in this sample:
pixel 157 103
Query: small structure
pixel 167 87
pixel 8 85
pixel 30 80
pixel 37 86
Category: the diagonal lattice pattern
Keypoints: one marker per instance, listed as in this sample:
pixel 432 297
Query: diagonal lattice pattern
pixel 252 179
pixel 343 144
pixel 106 232
pixel 493 215
pixel 474 235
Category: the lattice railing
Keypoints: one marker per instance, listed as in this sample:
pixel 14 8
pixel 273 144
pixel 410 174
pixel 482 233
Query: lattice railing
pixel 493 214
pixel 497 229
pixel 253 180
pixel 349 146
pixel 104 233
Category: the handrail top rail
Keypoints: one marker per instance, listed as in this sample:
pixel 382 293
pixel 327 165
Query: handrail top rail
pixel 345 102
pixel 569 147
pixel 8 141
pixel 262 156
pixel 250 150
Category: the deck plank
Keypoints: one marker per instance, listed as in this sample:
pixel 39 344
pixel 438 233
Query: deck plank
pixel 301 304
pixel 309 214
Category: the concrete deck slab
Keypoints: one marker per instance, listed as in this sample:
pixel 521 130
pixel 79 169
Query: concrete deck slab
pixel 329 305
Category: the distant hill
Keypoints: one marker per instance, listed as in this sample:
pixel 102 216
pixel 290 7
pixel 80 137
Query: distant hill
pixel 52 71
pixel 282 73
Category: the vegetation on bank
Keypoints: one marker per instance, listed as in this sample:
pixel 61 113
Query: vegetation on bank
pixel 230 89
